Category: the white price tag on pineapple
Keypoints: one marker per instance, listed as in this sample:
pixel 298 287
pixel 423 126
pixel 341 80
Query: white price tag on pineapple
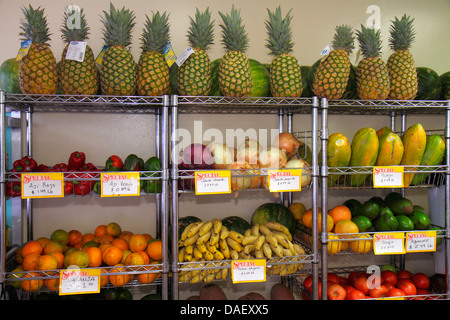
pixel 287 180
pixel 76 50
pixel 184 55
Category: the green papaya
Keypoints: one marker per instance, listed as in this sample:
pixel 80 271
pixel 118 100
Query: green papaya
pixel 432 156
pixel 364 148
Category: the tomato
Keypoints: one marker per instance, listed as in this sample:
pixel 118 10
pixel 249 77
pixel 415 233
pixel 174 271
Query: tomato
pixel 308 288
pixel 421 281
pixel 421 292
pixel 333 277
pixel 378 292
pixel 395 292
pixel 404 274
pixel 402 281
pixel 343 281
pixel 389 285
pixel 360 283
pixel 353 275
pixel 349 288
pixel 336 292
pixel 389 277
pixel 356 295
pixel 408 288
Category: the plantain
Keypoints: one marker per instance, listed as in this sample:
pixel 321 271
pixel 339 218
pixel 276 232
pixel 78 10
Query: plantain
pixel 234 254
pixel 217 225
pixel 205 228
pixel 218 255
pixel 202 247
pixel 215 236
pixel 273 225
pixel 267 251
pixel 249 248
pixel 203 238
pixel 259 242
pixel 185 232
pixel 281 240
pixel 264 230
pixel 194 228
pixel 234 244
pixel 223 245
pixel 181 254
pixel 236 236
pixel 208 256
pixel 259 254
pixel 191 240
pixel 224 232
pixel 189 249
pixel 277 250
pixel 270 238
pixel 255 230
pixel 211 248
pixel 249 240
pixel 197 254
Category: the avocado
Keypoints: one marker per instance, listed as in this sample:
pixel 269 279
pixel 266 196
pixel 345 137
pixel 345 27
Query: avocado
pixel 378 200
pixel 386 222
pixel 401 206
pixel 391 196
pixel 370 209
pixel 353 205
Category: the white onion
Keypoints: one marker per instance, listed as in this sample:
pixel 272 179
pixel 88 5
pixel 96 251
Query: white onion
pixel 287 142
pixel 301 164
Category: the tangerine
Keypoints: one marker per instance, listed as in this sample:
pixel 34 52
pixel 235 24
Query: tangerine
pixel 120 243
pixel 100 230
pixel 59 256
pixel 125 254
pixel 118 280
pixel 88 237
pixel 103 246
pixel 125 235
pixel 52 283
pixel 113 229
pixel 146 278
pixel 145 256
pixel 105 239
pixel 30 262
pixel 31 247
pixel 147 237
pixel 95 257
pixel 60 235
pixel 112 255
pixel 75 237
pixel 340 212
pixel 103 279
pixel 90 244
pixel 43 241
pixel 78 258
pixel 154 250
pixel 32 285
pixel 345 226
pixel 137 242
pixel 47 262
pixel 135 259
pixel 53 246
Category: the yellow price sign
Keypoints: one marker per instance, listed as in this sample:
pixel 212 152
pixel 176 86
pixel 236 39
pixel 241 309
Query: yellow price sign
pixel 79 281
pixel 388 177
pixel 285 180
pixel 115 184
pixel 42 185
pixel 213 182
pixel 252 270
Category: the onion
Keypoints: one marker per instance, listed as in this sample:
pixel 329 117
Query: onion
pixel 239 171
pixel 247 154
pixel 306 169
pixel 198 155
pixel 287 142
pixel 273 157
pixel 223 155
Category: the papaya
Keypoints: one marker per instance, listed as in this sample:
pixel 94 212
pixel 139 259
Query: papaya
pixel 390 151
pixel 338 155
pixel 381 132
pixel 364 148
pixel 432 156
pixel 414 142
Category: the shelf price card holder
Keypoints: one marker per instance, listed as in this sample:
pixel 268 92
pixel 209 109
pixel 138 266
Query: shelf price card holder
pixel 389 243
pixel 213 182
pixel 244 271
pixel 388 177
pixel 42 185
pixel 286 180
pixel 421 241
pixel 79 281
pixel 115 184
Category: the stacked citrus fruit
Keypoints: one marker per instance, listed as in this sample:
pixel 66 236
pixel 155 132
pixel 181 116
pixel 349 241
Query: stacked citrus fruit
pixel 108 247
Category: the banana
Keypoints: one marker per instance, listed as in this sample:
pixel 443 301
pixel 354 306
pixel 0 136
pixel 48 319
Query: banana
pixel 203 238
pixel 247 233
pixel 218 255
pixel 205 228
pixel 264 230
pixel 209 277
pixel 208 256
pixel 202 247
pixel 234 244
pixel 281 240
pixel 197 254
pixel 299 249
pixel 255 230
pixel 215 236
pixel 234 254
pixel 191 240
pixel 267 251
pixel 249 240
pixel 273 225
pixel 194 228
pixel 224 232
pixel 286 252
pixel 236 236
pixel 181 254
pixel 188 257
pixel 224 273
pixel 249 248
pixel 217 225
pixel 189 249
pixel 243 255
pixel 277 250
pixel 211 248
pixel 185 232
pixel 259 254
pixel 259 242
pixel 272 240
pixel 224 248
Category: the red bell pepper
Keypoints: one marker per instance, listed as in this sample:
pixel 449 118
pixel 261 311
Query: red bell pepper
pixel 61 167
pixel 25 164
pixel 88 167
pixel 13 189
pixel 68 187
pixel 76 160
pixel 114 163
pixel 42 168
pixel 82 187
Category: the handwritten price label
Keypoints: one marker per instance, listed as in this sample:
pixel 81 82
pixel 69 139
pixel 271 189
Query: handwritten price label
pixel 39 185
pixel 388 177
pixel 120 184
pixel 212 182
pixel 248 270
pixel 79 281
pixel 389 243
pixel 285 180
pixel 421 241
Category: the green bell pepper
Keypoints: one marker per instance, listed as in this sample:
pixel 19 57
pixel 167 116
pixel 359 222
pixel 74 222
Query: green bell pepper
pixel 154 185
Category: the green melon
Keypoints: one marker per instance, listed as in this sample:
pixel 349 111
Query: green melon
pixel 236 223
pixel 260 76
pixel 445 82
pixel 173 77
pixel 307 81
pixel 215 90
pixel 274 212
pixel 183 222
pixel 351 90
pixel 429 84
pixel 9 76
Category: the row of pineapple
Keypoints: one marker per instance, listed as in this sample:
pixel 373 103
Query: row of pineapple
pixel 120 75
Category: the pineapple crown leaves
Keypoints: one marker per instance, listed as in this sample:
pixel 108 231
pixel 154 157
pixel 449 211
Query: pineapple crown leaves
pixel 343 39
pixel 156 32
pixel 234 37
pixel 279 32
pixel 118 25
pixel 70 33
pixel 34 25
pixel 200 33
pixel 402 33
pixel 369 41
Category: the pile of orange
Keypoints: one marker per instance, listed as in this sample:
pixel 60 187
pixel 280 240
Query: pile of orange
pixel 107 247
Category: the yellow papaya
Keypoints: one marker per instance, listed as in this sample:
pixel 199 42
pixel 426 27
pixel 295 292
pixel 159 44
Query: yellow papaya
pixel 364 148
pixel 381 132
pixel 432 156
pixel 338 155
pixel 390 152
pixel 414 142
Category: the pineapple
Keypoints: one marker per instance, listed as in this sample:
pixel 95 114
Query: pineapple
pixel 285 75
pixel 402 72
pixel 194 75
pixel 38 72
pixel 77 77
pixel 153 71
pixel 372 75
pixel 331 76
pixel 235 75
pixel 118 70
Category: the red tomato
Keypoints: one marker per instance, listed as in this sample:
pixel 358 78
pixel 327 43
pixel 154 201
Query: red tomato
pixel 349 288
pixel 353 275
pixel 404 274
pixel 402 281
pixel 356 295
pixel 421 281
pixel 422 291
pixel 408 288
pixel 395 292
pixel 388 285
pixel 336 292
pixel 333 277
pixel 378 292
pixel 308 286
pixel 389 277
pixel 343 281
pixel 360 283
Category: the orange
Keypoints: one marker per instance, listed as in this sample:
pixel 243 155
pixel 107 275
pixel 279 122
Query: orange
pixel 78 258
pixel 100 230
pixel 88 237
pixel 113 229
pixel 112 255
pixel 154 250
pixel 145 256
pixel 75 237
pixel 307 217
pixel 125 254
pixel 31 247
pixel 103 246
pixel 333 246
pixel 340 212
pixel 146 278
pixel 362 246
pixel 78 245
pixel 52 283
pixel 53 246
pixel 47 262
pixel 147 237
pixel 60 235
pixel 95 257
pixel 105 239
pixel 43 241
pixel 30 262
pixel 118 280
pixel 345 226
pixel 137 242
pixel 134 259
pixel 158 267
pixel 120 243
pixel 59 257
pixel 90 244
pixel 32 285
pixel 103 279
pixel 125 235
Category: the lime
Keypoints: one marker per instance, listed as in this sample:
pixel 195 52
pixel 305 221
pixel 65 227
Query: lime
pixel 388 267
pixel 363 223
pixel 369 209
pixel 404 223
pixel 421 220
pixel 386 222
